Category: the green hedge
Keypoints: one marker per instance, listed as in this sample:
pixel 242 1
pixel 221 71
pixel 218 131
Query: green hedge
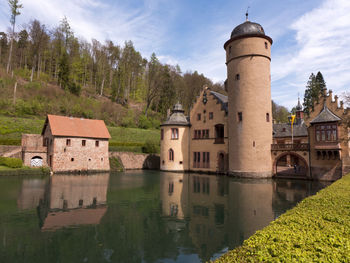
pixel 5 141
pixel 316 230
pixel 11 162
pixel 25 171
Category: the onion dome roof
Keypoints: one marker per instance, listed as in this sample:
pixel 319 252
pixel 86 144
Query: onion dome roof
pixel 248 28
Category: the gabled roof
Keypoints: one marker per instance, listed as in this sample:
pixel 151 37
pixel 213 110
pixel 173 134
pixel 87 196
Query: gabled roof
pixel 76 127
pixel 222 99
pixel 325 116
pixel 285 130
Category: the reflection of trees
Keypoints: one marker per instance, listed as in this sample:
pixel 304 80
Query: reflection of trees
pixel 289 192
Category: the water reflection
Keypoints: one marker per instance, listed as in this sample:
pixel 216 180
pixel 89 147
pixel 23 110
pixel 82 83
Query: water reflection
pixel 72 200
pixel 151 216
pixel 220 212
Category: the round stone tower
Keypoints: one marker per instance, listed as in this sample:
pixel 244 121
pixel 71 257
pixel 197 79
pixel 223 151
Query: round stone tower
pixel 248 56
pixel 174 141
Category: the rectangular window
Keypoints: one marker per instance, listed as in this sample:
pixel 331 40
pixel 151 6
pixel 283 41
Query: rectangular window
pixel 240 116
pixel 174 133
pixel 83 143
pixel 97 143
pixel 68 142
pixel 161 134
pixel 211 115
pixel 326 133
pixel 206 134
pixel 198 117
pixel 267 117
pixel 199 134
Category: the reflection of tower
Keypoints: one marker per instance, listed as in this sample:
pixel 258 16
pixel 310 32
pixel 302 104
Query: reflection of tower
pixel 174 152
pixel 249 100
pixel 174 194
pixel 249 212
pixel 67 198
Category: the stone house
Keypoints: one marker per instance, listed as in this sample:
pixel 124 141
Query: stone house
pixel 68 144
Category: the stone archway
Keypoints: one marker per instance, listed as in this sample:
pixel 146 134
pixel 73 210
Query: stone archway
pixel 290 164
pixel 36 161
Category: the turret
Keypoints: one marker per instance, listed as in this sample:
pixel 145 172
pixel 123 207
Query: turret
pixel 248 56
pixel 174 150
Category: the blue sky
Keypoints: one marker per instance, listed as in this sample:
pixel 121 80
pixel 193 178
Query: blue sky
pixel 309 35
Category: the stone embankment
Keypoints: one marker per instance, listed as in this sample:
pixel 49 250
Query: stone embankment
pixel 316 230
pixel 137 161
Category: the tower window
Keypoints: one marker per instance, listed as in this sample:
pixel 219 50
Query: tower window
pixel 171 155
pixel 161 134
pixel 266 46
pixel 240 116
pixel 267 117
pixel 237 77
pixel 229 49
pixel 174 133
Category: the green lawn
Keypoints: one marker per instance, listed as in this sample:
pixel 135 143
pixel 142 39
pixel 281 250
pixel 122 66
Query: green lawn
pixel 128 139
pixel 316 230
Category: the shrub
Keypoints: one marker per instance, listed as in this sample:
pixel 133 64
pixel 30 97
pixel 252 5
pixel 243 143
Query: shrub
pixel 11 162
pixel 150 147
pixel 116 164
pixel 129 120
pixel 144 122
pixel 74 88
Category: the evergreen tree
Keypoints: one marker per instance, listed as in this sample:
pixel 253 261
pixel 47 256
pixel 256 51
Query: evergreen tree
pixel 314 88
pixel 63 71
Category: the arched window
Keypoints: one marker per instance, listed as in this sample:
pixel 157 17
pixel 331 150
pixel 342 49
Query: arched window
pixel 171 155
pixel 36 161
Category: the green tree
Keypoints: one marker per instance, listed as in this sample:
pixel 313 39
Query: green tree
pixel 14 6
pixel 279 113
pixel 63 71
pixel 314 88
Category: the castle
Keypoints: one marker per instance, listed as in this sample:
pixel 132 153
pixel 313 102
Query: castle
pixel 235 134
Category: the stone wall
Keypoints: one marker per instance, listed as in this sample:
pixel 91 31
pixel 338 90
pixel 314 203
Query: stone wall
pixel 7 150
pixel 134 161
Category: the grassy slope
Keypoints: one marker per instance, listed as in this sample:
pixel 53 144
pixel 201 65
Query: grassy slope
pixel 11 129
pixel 316 230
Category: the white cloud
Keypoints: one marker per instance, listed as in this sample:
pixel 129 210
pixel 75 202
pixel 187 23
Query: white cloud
pixel 322 38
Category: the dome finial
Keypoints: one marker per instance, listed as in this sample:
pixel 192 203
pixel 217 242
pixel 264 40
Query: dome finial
pixel 246 14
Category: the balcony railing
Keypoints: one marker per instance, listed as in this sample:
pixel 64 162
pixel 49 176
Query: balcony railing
pixel 290 147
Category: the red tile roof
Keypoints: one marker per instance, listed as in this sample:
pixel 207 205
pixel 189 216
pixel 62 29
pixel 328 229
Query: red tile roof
pixel 76 127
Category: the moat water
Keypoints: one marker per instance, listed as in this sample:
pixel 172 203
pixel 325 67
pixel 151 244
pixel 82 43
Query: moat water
pixel 144 216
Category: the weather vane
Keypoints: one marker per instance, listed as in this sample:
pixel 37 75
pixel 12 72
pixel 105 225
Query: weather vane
pixel 246 14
